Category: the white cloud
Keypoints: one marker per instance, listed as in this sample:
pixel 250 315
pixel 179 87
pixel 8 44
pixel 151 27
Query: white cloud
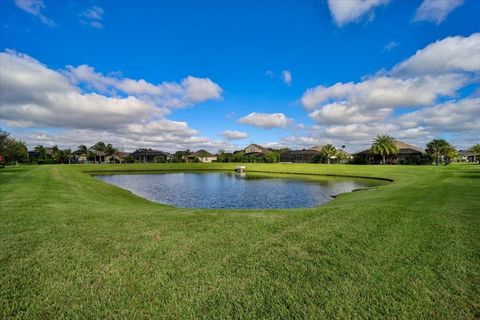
pixel 462 115
pixel 234 135
pixel 436 10
pixel 390 46
pixel 338 113
pixel 200 89
pixel 346 11
pixel 266 120
pixel 124 141
pixel 452 54
pixel 94 13
pixel 381 92
pixel 34 7
pixel 156 127
pixel 35 96
pixel 92 17
pixel 287 77
pixel 353 113
pixel 189 91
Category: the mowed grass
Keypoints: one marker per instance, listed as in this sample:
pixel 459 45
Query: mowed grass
pixel 72 246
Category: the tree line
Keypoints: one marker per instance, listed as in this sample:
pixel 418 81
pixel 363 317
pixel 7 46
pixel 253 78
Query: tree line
pixel 438 150
pixel 12 151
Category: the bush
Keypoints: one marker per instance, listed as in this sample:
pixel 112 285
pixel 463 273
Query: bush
pixel 424 159
pixel 128 159
pixel 319 158
pixel 159 159
pixel 358 160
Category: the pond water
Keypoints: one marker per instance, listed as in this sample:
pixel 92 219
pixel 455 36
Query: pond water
pixel 236 190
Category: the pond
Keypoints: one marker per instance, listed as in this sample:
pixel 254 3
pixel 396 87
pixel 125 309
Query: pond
pixel 237 190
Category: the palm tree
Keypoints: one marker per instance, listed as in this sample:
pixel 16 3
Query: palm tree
pixel 384 145
pixel 328 151
pixel 67 154
pixel 342 156
pixel 439 148
pixel 56 153
pixel 41 151
pixel 82 149
pixel 476 151
pixel 99 146
pixel 110 150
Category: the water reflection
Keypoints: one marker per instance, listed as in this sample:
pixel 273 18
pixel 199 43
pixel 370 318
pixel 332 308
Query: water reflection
pixel 236 190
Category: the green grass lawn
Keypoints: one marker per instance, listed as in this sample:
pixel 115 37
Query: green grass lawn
pixel 72 246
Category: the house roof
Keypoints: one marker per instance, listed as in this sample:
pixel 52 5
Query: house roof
pixel 258 147
pixel 121 154
pixel 148 152
pixel 466 153
pixel 401 146
pixel 316 148
pixel 201 154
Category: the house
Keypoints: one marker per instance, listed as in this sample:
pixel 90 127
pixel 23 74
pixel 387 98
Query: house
pixel 467 156
pixel 82 158
pixel 149 155
pixel 407 153
pixel 34 154
pixel 255 149
pixel 299 156
pixel 202 155
pixel 99 156
pixel 49 152
pixel 116 157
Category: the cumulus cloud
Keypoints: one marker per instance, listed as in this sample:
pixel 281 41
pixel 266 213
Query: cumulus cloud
pixel 346 11
pixel 436 10
pixel 452 54
pixel 34 95
pixel 92 17
pixel 189 91
pixel 125 111
pixel 451 116
pixel 338 113
pixel 34 7
pixel 381 92
pixel 71 138
pixel 234 135
pixel 354 112
pixel 266 120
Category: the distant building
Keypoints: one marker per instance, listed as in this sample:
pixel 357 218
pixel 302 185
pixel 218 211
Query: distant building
pixel 299 156
pixel 406 152
pixel 34 154
pixel 99 156
pixel 468 156
pixel 82 158
pixel 255 149
pixel 117 157
pixel 202 155
pixel 149 155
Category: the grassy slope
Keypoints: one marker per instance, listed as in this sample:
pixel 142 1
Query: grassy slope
pixel 72 246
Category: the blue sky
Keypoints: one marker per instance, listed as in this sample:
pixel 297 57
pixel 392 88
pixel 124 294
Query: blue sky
pixel 222 74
